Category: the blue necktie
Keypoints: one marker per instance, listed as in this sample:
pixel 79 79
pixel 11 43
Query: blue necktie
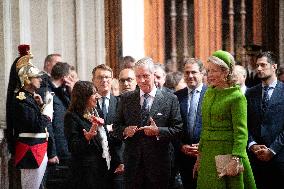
pixel 191 114
pixel 104 109
pixel 145 110
pixel 265 98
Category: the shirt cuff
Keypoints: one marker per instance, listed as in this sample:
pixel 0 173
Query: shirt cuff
pixel 251 143
pixel 272 151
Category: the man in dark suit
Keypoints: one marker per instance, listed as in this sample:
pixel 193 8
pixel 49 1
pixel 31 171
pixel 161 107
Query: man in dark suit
pixel 192 95
pixel 102 78
pixel 266 124
pixel 160 77
pixel 252 51
pixel 107 106
pixel 148 119
pixel 127 80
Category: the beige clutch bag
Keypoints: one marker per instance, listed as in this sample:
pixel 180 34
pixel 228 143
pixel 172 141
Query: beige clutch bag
pixel 222 161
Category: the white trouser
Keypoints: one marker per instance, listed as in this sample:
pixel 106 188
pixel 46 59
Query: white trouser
pixel 31 178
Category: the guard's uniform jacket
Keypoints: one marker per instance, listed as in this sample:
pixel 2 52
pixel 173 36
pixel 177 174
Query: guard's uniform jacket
pixel 30 131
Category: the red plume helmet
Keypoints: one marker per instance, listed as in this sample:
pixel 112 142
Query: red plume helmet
pixel 24 49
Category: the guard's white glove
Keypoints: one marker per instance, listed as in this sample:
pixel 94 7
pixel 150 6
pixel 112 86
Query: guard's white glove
pixel 48 107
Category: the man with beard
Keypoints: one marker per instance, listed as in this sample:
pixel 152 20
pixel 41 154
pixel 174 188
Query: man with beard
pixel 266 124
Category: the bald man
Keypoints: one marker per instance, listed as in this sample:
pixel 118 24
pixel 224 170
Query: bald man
pixel 127 80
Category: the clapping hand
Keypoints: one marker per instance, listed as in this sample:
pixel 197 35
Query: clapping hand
pixel 93 130
pixel 90 134
pixel 129 131
pixel 152 129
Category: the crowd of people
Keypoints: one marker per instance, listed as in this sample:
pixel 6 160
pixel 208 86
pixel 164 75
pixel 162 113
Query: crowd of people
pixel 148 128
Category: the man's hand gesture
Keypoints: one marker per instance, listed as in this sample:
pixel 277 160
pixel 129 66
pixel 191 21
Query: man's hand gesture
pixel 152 129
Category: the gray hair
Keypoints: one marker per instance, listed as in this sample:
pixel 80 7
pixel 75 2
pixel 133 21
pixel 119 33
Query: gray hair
pixel 146 62
pixel 241 70
pixel 158 66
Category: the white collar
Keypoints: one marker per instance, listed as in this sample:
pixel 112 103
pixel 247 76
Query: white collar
pixel 152 93
pixel 272 85
pixel 108 95
pixel 199 88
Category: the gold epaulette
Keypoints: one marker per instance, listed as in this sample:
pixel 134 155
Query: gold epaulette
pixel 21 96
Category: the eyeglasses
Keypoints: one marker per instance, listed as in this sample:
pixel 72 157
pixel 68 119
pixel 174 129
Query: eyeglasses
pixel 144 76
pixel 129 80
pixel 103 77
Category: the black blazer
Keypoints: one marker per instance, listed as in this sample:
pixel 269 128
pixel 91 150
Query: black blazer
pixel 113 102
pixel 89 168
pixel 29 119
pixel 155 153
pixel 267 129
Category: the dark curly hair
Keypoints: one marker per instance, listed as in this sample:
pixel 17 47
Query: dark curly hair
pixel 81 92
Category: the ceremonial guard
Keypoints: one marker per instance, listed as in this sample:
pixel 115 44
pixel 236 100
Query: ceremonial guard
pixel 31 119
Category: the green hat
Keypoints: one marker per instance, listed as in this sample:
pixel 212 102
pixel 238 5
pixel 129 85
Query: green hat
pixel 223 58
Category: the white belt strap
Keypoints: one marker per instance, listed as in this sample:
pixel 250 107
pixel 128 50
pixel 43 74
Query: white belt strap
pixel 34 135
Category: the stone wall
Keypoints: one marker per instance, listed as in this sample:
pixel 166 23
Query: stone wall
pixel 75 29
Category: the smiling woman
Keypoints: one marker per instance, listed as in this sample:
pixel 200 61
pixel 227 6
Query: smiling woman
pixel 93 158
pixel 224 128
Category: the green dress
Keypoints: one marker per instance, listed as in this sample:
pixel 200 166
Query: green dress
pixel 224 131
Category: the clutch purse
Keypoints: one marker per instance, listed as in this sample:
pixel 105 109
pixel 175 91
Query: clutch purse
pixel 221 163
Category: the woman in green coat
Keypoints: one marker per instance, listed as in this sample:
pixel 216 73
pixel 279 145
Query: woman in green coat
pixel 224 128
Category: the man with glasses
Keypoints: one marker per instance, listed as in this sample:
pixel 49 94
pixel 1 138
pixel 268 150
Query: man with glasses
pixel 190 99
pixel 127 80
pixel 147 119
pixel 107 105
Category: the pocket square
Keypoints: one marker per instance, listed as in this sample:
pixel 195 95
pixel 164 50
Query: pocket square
pixel 159 114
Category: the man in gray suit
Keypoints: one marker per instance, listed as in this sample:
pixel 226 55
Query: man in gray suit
pixel 266 124
pixel 148 119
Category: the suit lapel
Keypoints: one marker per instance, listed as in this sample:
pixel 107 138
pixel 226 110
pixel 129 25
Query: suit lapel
pixel 133 108
pixel 111 108
pixel 276 95
pixel 157 103
pixel 184 103
pixel 257 100
pixel 204 87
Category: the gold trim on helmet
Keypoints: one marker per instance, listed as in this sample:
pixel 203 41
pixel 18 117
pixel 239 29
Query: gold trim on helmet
pixel 27 72
pixel 24 61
